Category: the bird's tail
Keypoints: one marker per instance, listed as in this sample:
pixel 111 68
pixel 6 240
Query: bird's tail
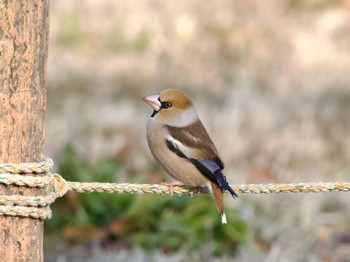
pixel 217 193
pixel 222 183
pixel 212 171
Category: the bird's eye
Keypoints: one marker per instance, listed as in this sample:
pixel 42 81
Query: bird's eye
pixel 166 104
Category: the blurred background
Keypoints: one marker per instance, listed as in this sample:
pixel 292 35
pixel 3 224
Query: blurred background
pixel 271 82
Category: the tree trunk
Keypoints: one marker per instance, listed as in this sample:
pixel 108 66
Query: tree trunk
pixel 24 27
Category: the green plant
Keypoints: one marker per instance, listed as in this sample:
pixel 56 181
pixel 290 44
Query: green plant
pixel 150 221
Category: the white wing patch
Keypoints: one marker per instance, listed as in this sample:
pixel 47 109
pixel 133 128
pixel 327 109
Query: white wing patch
pixel 187 151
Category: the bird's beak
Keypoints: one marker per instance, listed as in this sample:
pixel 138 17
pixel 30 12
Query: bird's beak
pixel 153 101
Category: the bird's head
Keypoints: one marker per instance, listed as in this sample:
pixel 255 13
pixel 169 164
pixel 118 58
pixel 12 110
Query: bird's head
pixel 172 107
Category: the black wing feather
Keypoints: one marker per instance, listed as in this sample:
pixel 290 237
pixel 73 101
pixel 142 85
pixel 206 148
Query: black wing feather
pixel 212 171
pixel 209 168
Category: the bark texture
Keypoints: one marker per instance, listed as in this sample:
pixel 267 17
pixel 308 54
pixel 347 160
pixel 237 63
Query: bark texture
pixel 24 27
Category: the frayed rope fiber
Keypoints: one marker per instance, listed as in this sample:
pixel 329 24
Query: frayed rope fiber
pixel 24 174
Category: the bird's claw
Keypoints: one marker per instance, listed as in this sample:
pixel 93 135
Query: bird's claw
pixel 171 186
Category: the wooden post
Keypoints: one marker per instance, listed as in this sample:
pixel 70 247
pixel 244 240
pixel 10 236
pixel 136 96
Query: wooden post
pixel 24 27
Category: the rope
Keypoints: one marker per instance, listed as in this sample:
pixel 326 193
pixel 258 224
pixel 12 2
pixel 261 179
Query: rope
pixel 194 190
pixel 56 186
pixel 31 206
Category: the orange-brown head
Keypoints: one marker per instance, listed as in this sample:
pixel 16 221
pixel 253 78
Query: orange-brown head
pixel 172 107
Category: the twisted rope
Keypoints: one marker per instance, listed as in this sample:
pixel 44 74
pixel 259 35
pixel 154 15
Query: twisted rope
pixel 31 206
pixel 56 186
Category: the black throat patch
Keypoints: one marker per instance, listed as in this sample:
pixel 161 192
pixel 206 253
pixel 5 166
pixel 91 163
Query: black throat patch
pixel 154 113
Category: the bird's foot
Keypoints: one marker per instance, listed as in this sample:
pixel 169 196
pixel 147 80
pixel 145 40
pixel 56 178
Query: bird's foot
pixel 171 186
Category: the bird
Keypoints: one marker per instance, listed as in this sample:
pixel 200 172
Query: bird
pixel 182 146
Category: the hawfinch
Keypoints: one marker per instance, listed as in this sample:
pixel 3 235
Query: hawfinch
pixel 181 145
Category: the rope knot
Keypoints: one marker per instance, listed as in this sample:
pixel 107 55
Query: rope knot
pixel 26 174
pixel 59 185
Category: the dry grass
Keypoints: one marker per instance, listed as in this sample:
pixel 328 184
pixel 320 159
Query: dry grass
pixel 270 80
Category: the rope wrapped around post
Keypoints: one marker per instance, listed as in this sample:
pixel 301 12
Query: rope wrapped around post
pixel 56 186
pixel 23 174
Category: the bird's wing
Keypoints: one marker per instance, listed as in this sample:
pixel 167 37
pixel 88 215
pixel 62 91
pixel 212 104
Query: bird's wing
pixel 213 172
pixel 194 144
pixel 193 141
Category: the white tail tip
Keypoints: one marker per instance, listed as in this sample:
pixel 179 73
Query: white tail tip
pixel 223 218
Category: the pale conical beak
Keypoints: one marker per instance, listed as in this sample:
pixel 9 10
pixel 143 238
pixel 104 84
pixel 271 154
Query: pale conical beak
pixel 153 101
